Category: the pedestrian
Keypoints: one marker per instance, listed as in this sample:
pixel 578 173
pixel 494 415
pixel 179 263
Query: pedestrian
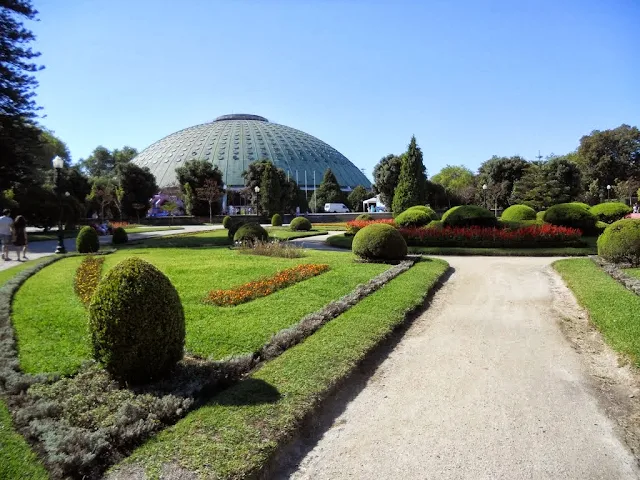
pixel 6 222
pixel 636 208
pixel 20 236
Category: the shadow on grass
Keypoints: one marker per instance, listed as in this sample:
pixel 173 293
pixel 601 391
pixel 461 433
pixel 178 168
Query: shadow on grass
pixel 217 238
pixel 251 391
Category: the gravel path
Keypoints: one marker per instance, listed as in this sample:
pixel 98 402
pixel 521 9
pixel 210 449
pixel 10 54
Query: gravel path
pixel 482 386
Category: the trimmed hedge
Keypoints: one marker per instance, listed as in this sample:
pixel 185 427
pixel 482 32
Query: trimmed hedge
pixel 366 217
pixel 435 224
pixel 250 232
pixel 620 242
pixel 518 213
pixel 413 218
pixel 136 322
pixel 379 242
pixel 428 210
pixel 580 204
pixel 469 215
pixel 233 227
pixel 276 220
pixel 300 224
pixel 87 240
pixel 611 211
pixel 571 215
pixel 227 221
pixel 119 236
pixel 540 216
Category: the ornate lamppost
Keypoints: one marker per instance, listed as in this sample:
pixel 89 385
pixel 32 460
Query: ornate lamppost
pixel 608 193
pixel 58 165
pixel 484 191
pixel 257 190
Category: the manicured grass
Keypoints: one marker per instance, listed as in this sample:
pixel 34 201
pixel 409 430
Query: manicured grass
pixel 612 308
pixel 150 229
pixel 212 238
pixel 51 326
pixel 8 273
pixel 235 434
pixel 634 272
pixel 284 233
pixel 17 460
pixel 330 226
pixel 344 241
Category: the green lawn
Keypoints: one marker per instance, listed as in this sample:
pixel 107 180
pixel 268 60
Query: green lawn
pixel 634 272
pixel 150 229
pixel 212 238
pixel 344 241
pixel 612 308
pixel 50 321
pixel 284 233
pixel 8 273
pixel 234 435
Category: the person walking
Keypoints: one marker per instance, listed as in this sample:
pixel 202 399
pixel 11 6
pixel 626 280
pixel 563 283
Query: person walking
pixel 20 236
pixel 6 223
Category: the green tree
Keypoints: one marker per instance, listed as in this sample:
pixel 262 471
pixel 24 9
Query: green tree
pixel 411 189
pixel 19 138
pixel 385 177
pixel 499 174
pixel 356 197
pixel 136 185
pixel 210 192
pixel 290 194
pixel 458 183
pixel 102 195
pixel 270 194
pixel 196 173
pixel 328 192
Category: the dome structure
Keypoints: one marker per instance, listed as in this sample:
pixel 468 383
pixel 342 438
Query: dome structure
pixel 232 142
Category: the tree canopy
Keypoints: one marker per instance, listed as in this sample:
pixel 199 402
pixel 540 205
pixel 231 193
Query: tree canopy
pixel 458 183
pixel 103 162
pixel 385 177
pixel 499 174
pixel 195 173
pixel 327 192
pixel 412 182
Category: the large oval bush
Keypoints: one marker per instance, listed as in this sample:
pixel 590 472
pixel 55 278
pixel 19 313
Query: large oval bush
pixel 87 240
pixel 540 216
pixel 428 210
pixel 620 242
pixel 469 215
pixel 226 221
pixel 580 204
pixel 136 322
pixel 276 220
pixel 119 236
pixel 250 232
pixel 300 224
pixel 379 242
pixel 367 217
pixel 611 211
pixel 518 213
pixel 233 227
pixel 413 218
pixel 571 215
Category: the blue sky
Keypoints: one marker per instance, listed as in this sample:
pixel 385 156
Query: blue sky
pixel 469 78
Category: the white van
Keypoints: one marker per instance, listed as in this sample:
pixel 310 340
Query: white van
pixel 336 208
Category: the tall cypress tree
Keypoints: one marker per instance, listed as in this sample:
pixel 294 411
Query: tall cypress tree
pixel 328 192
pixel 412 182
pixel 270 190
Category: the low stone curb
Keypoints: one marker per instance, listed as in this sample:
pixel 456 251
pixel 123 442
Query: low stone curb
pixel 618 274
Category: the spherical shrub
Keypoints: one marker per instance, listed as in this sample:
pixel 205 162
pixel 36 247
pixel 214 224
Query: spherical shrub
pixel 571 215
pixel 379 242
pixel 226 222
pixel 518 213
pixel 87 240
pixel 620 242
pixel 580 204
pixel 365 217
pixel 435 224
pixel 136 322
pixel 250 232
pixel 299 224
pixel 413 218
pixel 540 216
pixel 611 211
pixel 233 227
pixel 428 210
pixel 469 215
pixel 276 220
pixel 119 236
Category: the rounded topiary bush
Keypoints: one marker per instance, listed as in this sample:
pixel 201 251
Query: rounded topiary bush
pixel 233 227
pixel 276 220
pixel 540 216
pixel 300 224
pixel 611 211
pixel 580 204
pixel 119 236
pixel 366 217
pixel 250 232
pixel 136 322
pixel 620 242
pixel 413 218
pixel 226 222
pixel 571 215
pixel 435 224
pixel 518 213
pixel 379 242
pixel 469 215
pixel 428 210
pixel 87 240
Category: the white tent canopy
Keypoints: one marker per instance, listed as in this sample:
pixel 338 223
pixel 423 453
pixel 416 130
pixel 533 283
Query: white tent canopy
pixel 375 203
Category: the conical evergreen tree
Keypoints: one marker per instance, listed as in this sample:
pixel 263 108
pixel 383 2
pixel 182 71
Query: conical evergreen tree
pixel 412 182
pixel 328 192
pixel 270 190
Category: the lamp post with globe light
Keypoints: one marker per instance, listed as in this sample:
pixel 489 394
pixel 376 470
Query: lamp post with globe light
pixel 608 193
pixel 484 191
pixel 257 190
pixel 58 165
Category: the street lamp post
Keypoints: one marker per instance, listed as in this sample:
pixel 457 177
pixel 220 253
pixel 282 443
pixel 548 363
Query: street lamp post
pixel 257 190
pixel 484 191
pixel 58 165
pixel 608 192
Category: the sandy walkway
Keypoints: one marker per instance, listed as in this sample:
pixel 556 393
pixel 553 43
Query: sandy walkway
pixel 483 386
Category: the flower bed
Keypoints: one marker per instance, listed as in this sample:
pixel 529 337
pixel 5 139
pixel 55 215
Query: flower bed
pixel 267 286
pixel 355 225
pixel 527 237
pixel 87 278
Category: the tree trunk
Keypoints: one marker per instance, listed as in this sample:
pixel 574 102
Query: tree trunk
pixel 210 214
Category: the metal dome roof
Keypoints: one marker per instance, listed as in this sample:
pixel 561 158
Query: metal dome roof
pixel 232 142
